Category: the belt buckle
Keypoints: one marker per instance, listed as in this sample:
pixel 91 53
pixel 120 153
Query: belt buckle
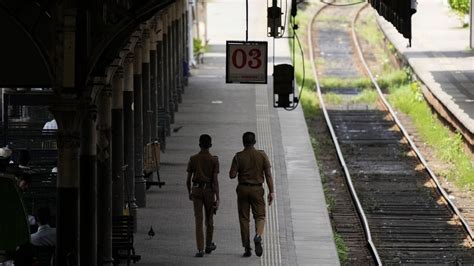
pixel 200 185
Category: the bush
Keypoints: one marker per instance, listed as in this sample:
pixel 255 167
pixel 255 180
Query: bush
pixel 199 46
pixel 461 6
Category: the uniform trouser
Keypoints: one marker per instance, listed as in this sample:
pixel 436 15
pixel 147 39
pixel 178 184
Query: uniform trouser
pixel 250 197
pixel 203 197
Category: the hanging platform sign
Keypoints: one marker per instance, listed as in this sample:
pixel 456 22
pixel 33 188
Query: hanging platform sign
pixel 246 62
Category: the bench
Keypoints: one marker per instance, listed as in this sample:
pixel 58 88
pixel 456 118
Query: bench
pixel 151 164
pixel 122 240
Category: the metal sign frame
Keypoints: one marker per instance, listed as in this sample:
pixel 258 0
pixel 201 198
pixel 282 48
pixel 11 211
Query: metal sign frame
pixel 252 71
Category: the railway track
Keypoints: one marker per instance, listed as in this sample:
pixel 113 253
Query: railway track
pixel 405 214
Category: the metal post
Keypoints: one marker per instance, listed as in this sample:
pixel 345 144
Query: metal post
pixel 153 86
pixel 108 178
pixel 179 58
pixel 117 143
pixel 246 20
pixel 140 186
pixel 164 65
pixel 174 30
pixel 146 87
pixel 88 184
pixel 160 83
pixel 171 62
pixel 129 139
pixel 189 31
pixel 67 213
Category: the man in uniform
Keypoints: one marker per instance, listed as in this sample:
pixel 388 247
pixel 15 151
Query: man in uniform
pixel 203 169
pixel 252 168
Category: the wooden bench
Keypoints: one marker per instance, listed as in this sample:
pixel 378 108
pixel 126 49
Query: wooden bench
pixel 122 240
pixel 151 164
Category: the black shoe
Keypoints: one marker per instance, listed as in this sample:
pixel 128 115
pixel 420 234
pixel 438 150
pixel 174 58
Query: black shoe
pixel 247 253
pixel 258 245
pixel 199 254
pixel 211 248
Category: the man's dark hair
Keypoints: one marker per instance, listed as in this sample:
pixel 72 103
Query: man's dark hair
pixel 205 141
pixel 43 215
pixel 24 158
pixel 248 139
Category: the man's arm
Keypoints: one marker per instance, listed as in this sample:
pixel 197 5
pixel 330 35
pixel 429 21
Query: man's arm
pixel 269 180
pixel 215 185
pixel 233 168
pixel 216 189
pixel 188 184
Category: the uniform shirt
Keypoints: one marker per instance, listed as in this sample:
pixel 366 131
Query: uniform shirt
pixel 250 165
pixel 45 237
pixel 203 166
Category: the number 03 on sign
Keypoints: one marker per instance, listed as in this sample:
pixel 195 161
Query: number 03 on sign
pixel 246 62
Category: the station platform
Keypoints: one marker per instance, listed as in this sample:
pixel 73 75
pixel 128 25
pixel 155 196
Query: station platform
pixel 440 57
pixel 298 230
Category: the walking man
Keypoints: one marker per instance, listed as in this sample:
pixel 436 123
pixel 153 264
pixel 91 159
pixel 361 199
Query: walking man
pixel 203 169
pixel 252 168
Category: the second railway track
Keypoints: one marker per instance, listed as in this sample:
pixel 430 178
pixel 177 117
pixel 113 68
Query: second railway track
pixel 406 217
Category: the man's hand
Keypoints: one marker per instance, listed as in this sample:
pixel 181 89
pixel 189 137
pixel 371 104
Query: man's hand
pixel 271 197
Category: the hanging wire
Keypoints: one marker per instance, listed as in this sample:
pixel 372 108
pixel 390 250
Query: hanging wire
pixel 285 15
pixel 295 36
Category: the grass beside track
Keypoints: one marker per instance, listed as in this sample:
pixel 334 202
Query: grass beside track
pixel 404 94
pixel 448 146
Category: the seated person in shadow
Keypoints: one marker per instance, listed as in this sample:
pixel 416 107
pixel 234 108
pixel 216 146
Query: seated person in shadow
pixel 24 160
pixel 46 236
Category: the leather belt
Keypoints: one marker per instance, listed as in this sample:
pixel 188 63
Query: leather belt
pixel 201 184
pixel 250 184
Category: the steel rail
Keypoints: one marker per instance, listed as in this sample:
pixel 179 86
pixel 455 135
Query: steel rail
pixel 359 208
pixel 405 132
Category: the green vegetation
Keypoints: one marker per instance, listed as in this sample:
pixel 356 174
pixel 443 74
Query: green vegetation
pixel 334 83
pixel 367 96
pixel 408 98
pixel 369 32
pixel 332 98
pixel 309 102
pixel 342 250
pixel 199 48
pixel 394 79
pixel 460 6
